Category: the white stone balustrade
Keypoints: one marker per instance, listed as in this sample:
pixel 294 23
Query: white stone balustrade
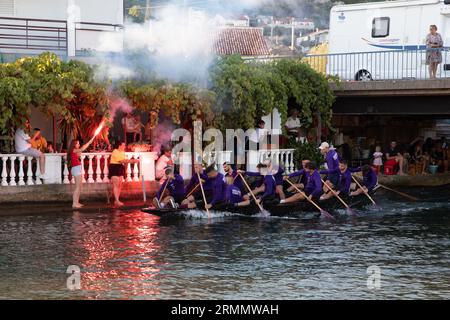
pixel 19 170
pixel 283 157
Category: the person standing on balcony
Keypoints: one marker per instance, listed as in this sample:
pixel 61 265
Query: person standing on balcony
pixel 434 55
pixel 23 145
pixel 76 170
pixel 294 126
pixel 129 128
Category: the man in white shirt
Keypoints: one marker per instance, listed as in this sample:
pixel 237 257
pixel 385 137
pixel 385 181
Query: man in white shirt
pixel 258 135
pixel 293 125
pixel 23 146
pixel 129 127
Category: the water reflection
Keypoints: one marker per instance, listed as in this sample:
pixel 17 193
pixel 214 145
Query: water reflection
pixel 117 254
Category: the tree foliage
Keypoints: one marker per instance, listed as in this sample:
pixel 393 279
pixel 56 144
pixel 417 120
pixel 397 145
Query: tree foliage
pixel 181 103
pixel 247 91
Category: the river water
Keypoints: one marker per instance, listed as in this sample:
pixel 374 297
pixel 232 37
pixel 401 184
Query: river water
pixel 403 249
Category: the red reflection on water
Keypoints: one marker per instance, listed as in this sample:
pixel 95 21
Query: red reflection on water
pixel 117 254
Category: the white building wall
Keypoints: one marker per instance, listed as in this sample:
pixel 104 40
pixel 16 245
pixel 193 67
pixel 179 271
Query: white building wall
pixel 99 11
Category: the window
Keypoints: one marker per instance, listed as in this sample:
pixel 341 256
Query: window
pixel 7 7
pixel 380 27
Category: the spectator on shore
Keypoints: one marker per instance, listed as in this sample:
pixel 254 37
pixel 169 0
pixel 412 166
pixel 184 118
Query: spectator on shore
pixel 439 157
pixel 23 146
pixel 434 56
pixel 50 148
pixel 129 127
pixel 39 142
pixel 138 128
pixel 164 161
pixel 117 170
pixel 258 135
pixel 294 126
pixel 394 157
pixel 378 159
pixel 75 168
pixel 418 157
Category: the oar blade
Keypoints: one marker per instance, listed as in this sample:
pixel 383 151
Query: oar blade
pixel 327 215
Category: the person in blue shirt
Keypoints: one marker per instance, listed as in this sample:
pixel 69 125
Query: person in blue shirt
pixel 233 195
pixel 171 191
pixel 302 180
pixel 313 188
pixel 218 188
pixel 344 180
pixel 370 180
pixel 268 188
pixel 332 162
pixel 278 175
pixel 228 169
pixel 193 183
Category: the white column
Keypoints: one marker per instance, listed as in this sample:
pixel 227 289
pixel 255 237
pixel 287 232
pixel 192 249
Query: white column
pixel 21 173
pixel 291 161
pixel 65 171
pixel 90 170
pixel 148 160
pixel 98 170
pixel 106 168
pixel 136 169
pixel 29 181
pixel 128 179
pixel 73 16
pixel 37 180
pixel 53 168
pixel 12 174
pixel 83 179
pixel 4 171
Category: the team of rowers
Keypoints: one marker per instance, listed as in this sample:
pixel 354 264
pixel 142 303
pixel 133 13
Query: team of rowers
pixel 222 191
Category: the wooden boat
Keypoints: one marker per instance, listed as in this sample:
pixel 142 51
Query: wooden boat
pixel 299 210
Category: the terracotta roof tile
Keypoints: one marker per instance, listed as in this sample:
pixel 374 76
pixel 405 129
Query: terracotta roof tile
pixel 244 41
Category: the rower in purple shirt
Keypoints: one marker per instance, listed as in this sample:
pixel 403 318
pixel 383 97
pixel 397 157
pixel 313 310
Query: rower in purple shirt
pixel 189 202
pixel 301 183
pixel 313 187
pixel 344 180
pixel 233 195
pixel 278 176
pixel 370 180
pixel 268 188
pixel 237 181
pixel 174 186
pixel 332 161
pixel 218 188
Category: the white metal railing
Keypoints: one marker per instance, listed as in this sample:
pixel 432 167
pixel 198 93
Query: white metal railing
pixel 283 157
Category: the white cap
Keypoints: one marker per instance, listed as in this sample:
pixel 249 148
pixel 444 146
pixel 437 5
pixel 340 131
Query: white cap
pixel 324 145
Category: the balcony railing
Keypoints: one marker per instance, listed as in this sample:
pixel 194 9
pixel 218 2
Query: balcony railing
pixel 19 170
pixel 380 65
pixel 39 35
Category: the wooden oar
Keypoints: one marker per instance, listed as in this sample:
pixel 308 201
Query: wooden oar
pixel 203 193
pixel 164 190
pixel 193 190
pixel 339 198
pixel 325 213
pixel 251 192
pixel 365 192
pixel 400 193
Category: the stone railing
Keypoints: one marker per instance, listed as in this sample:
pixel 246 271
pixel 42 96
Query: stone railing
pixel 20 170
pixel 283 157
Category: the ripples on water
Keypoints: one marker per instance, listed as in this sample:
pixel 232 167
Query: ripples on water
pixel 133 255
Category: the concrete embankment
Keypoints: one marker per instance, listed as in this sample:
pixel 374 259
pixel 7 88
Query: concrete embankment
pixel 62 193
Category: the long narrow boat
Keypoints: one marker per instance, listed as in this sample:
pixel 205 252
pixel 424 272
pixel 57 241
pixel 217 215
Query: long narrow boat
pixel 300 210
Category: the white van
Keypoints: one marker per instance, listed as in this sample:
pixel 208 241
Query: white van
pixel 386 40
